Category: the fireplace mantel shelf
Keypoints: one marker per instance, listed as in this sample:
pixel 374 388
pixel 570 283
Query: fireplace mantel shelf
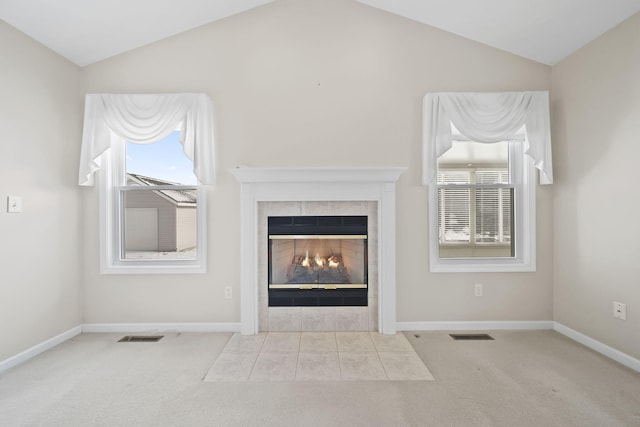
pixel 376 184
pixel 306 175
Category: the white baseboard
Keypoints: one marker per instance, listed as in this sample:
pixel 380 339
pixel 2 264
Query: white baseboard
pixel 115 328
pixel 159 327
pixel 474 326
pixel 39 348
pixel 595 345
pixel 612 353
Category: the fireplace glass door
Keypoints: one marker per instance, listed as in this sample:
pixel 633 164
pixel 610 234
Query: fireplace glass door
pixel 318 261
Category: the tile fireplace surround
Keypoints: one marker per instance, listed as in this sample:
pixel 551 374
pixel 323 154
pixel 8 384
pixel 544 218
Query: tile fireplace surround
pixel 317 319
pixel 318 191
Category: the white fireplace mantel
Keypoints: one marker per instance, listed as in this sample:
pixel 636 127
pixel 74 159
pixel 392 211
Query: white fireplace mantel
pixel 318 184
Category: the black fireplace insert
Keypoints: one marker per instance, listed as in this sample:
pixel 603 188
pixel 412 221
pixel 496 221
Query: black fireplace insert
pixel 317 261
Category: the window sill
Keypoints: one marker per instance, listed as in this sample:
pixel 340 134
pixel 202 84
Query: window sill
pixel 476 245
pixel 481 265
pixel 153 269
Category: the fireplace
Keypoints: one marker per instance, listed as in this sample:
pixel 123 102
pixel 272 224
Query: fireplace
pixel 290 190
pixel 317 261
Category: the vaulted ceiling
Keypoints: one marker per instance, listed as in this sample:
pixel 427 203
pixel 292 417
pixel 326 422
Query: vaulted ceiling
pixel 87 31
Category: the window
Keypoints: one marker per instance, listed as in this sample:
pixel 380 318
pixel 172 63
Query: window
pixel 153 208
pixel 152 213
pixel 481 190
pixel 482 208
pixel 475 193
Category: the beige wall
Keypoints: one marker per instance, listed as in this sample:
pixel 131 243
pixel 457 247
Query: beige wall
pixel 596 118
pixel 317 83
pixel 287 78
pixel 40 256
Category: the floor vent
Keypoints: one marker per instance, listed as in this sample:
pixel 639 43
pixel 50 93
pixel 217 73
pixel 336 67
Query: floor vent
pixel 471 337
pixel 141 338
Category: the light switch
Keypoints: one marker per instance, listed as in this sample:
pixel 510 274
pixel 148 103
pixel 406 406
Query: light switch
pixel 14 204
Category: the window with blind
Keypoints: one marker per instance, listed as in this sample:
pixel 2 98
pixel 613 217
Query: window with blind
pixel 483 206
pixel 480 153
pixel 475 208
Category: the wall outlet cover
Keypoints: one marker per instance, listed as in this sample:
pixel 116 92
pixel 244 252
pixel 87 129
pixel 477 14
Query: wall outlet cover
pixel 477 290
pixel 619 310
pixel 14 204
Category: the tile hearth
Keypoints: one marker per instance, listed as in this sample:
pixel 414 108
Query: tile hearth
pixel 318 356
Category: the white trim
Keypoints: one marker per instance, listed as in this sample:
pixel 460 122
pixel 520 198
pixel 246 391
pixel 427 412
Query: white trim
pixel 39 348
pixel 475 326
pixel 159 327
pixel 247 175
pixel 610 352
pixel 114 328
pixel 327 184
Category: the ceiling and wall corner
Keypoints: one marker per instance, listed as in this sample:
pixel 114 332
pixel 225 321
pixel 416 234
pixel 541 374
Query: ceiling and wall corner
pixel 545 31
pixel 89 31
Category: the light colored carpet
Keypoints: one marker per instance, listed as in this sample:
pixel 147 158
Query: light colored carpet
pixel 318 356
pixel 523 378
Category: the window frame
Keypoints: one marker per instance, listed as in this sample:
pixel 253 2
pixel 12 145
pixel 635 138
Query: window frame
pixel 522 172
pixel 112 176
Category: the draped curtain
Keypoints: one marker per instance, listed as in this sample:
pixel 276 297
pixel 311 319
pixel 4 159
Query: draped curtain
pixel 487 118
pixel 145 119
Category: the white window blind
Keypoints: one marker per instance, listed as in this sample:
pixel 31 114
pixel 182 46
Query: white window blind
pixel 455 207
pixel 475 206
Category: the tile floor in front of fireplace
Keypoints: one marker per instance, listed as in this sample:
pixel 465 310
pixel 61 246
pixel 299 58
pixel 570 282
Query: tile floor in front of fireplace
pixel 318 356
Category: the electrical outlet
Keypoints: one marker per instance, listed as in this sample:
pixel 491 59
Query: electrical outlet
pixel 477 289
pixel 228 292
pixel 619 310
pixel 14 204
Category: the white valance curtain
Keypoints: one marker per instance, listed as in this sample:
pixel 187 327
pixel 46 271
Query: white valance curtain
pixel 487 117
pixel 144 119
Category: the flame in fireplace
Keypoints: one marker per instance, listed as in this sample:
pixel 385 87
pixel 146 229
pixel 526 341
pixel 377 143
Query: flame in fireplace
pixel 305 261
pixel 319 261
pixel 333 262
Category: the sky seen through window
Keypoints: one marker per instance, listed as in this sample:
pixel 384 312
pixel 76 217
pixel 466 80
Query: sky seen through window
pixel 164 160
